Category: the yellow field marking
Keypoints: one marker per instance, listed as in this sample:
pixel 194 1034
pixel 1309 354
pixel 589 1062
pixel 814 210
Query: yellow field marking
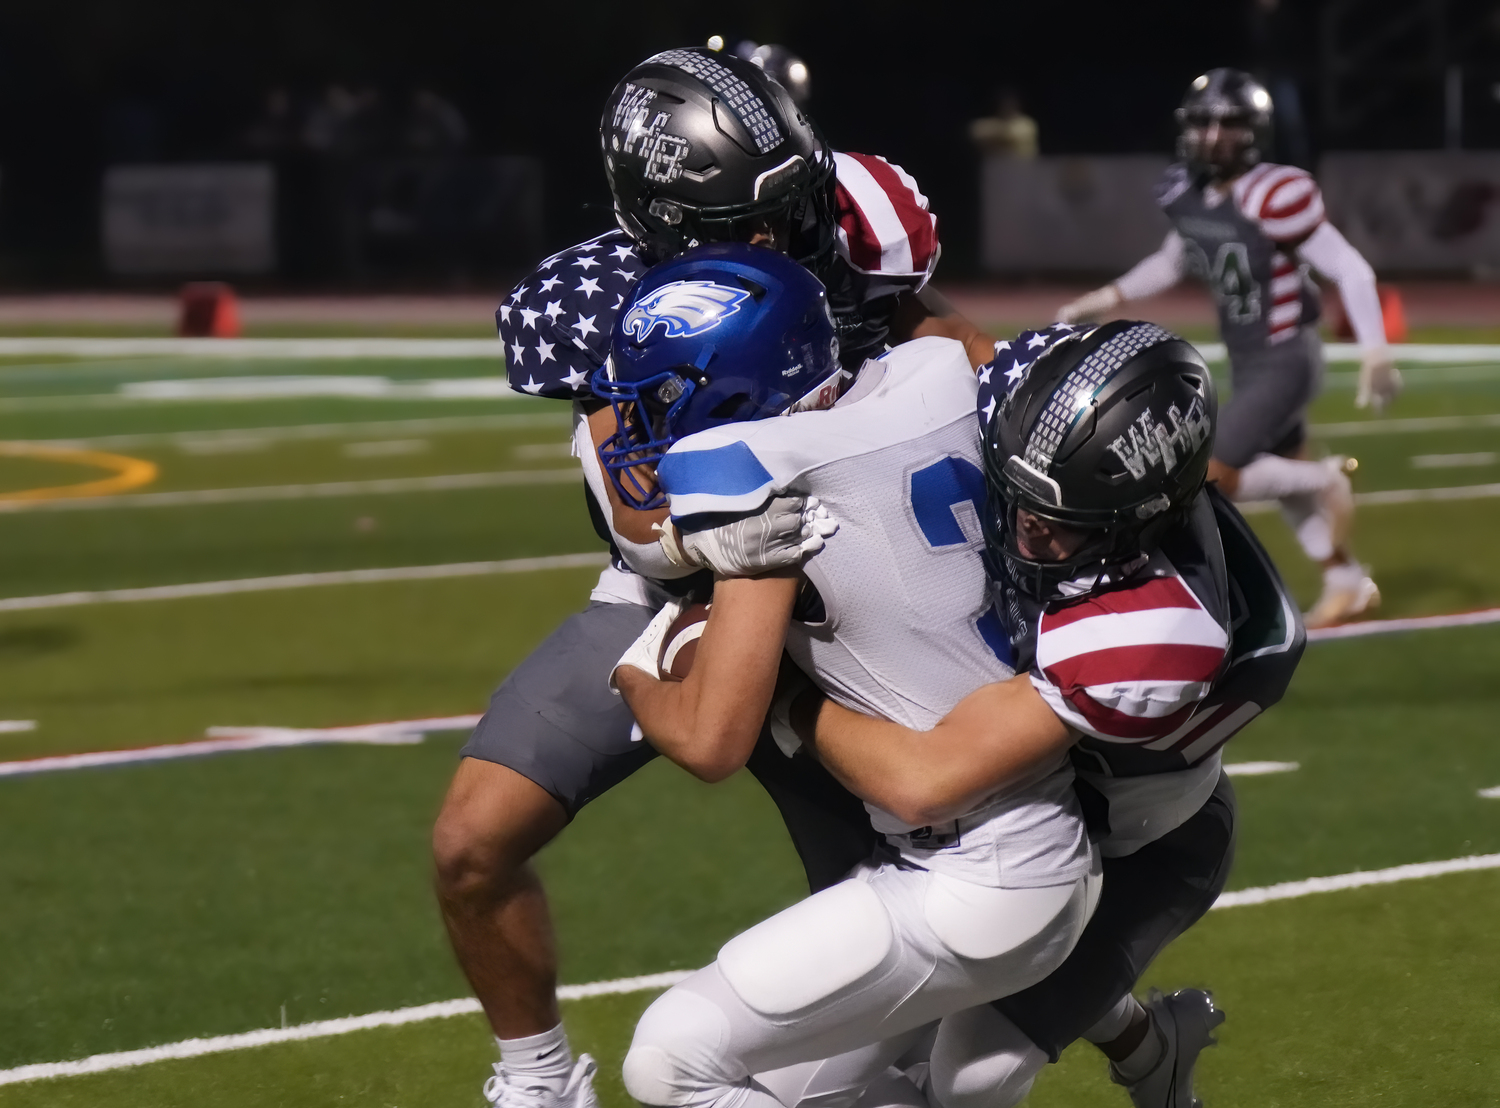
pixel 127 473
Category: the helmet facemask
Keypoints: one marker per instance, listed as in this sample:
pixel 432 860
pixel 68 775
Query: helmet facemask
pixel 1107 554
pixel 1224 124
pixel 1107 432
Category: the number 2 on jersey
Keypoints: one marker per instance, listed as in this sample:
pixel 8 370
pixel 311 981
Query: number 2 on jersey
pixel 947 501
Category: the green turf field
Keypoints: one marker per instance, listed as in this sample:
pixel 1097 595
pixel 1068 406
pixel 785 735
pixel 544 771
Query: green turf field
pixel 155 903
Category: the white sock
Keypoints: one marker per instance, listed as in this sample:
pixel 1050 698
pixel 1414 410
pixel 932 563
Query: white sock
pixel 1271 477
pixel 1305 517
pixel 1115 1021
pixel 1143 1059
pixel 538 1060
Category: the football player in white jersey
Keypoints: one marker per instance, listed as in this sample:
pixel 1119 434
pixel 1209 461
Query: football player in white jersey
pixel 1154 627
pixel 896 619
pixel 1250 230
pixel 697 146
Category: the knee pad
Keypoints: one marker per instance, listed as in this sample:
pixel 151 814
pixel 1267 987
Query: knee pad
pixel 982 1060
pixel 829 946
pixel 673 1059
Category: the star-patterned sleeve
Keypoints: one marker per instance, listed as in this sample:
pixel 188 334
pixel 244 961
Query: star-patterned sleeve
pixel 1008 368
pixel 556 324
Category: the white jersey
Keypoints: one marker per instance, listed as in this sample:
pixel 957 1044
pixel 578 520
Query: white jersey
pixel 909 627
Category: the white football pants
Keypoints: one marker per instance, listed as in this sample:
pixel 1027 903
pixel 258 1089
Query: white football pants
pixel 864 964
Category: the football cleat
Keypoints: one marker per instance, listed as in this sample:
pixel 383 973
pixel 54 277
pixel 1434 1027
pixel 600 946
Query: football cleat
pixel 1184 1021
pixel 504 1091
pixel 1342 601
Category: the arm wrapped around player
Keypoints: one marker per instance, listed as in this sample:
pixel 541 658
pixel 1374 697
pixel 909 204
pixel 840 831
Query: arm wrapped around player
pixel 783 534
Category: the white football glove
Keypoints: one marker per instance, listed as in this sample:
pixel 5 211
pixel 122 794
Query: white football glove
pixel 788 530
pixel 645 653
pixel 1379 380
pixel 1090 305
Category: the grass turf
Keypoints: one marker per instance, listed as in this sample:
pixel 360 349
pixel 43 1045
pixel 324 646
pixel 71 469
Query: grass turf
pixel 197 898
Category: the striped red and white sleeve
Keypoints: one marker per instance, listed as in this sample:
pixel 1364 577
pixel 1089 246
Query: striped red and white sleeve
pixel 884 226
pixel 1283 199
pixel 1131 665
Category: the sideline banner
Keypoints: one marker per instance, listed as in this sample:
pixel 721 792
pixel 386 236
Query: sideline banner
pixel 1427 211
pixel 1070 215
pixel 1430 212
pixel 190 220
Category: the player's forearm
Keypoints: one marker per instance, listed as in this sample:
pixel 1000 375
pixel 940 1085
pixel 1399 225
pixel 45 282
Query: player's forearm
pixel 1156 272
pixel 929 312
pixel 708 723
pixel 992 738
pixel 1332 255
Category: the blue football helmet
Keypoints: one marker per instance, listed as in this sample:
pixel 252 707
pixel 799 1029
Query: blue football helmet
pixel 723 333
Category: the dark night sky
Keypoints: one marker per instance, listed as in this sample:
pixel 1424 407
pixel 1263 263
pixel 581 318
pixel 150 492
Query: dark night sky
pixel 897 79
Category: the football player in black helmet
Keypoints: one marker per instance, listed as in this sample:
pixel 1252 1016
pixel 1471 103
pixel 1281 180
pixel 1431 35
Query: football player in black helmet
pixel 1147 626
pixel 702 147
pixel 1251 230
pixel 698 146
pixel 1224 124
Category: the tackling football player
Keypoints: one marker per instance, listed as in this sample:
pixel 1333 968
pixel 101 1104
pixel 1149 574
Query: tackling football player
pixel 698 147
pixel 1250 230
pixel 1154 627
pixel 893 617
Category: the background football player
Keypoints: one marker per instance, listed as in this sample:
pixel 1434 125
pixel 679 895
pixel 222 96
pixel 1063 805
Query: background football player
pixel 698 147
pixel 894 616
pixel 1250 229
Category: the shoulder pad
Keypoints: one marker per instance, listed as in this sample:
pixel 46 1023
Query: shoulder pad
pixel 556 324
pixel 1013 358
pixel 1283 199
pixel 1131 664
pixel 884 225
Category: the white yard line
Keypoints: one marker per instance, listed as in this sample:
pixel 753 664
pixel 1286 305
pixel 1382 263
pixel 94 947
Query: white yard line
pixel 1392 496
pixel 1391 626
pixel 303 581
pixel 230 740
pixel 340 349
pixel 1292 890
pixel 195 1048
pixel 1259 769
pixel 560 416
pixel 509 478
pixel 256 349
pixel 1412 496
pixel 1492 793
pixel 16 726
pixel 1411 426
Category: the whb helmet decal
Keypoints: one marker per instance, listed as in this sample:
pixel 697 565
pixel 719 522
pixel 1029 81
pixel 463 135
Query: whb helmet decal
pixel 1147 442
pixel 683 309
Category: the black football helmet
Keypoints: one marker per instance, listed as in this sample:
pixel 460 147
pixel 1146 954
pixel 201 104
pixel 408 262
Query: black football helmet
pixel 1224 124
pixel 1109 432
pixel 705 147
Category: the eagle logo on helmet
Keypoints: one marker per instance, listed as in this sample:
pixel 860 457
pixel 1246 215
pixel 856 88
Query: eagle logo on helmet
pixel 683 309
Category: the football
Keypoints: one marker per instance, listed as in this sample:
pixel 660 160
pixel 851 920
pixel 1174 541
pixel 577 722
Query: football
pixel 679 646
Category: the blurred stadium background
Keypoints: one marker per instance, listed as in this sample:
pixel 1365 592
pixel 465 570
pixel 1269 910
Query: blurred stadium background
pixel 325 543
